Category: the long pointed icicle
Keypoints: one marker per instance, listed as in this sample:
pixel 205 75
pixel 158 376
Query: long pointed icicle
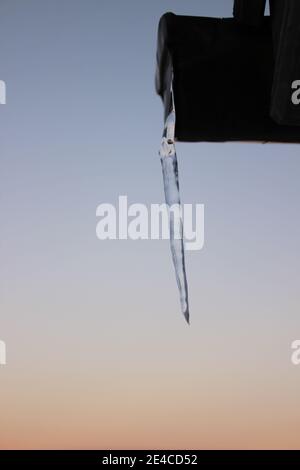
pixel 171 186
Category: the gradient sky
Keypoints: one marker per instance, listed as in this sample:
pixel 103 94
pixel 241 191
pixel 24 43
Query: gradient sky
pixel 98 353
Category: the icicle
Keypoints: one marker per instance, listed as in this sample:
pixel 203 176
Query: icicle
pixel 171 186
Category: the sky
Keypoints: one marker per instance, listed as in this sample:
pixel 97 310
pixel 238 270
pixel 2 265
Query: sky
pixel 98 353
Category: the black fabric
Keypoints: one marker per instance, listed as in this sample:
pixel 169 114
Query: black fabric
pixel 285 16
pixel 223 75
pixel 249 11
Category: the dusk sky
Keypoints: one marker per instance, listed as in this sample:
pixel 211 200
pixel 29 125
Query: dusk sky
pixel 98 353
